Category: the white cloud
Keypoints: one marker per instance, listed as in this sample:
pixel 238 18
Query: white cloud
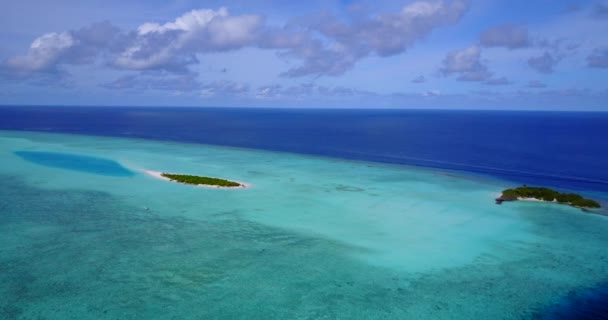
pixel 322 46
pixel 187 22
pixel 384 35
pixel 269 92
pixel 506 35
pixel 177 84
pixel 308 90
pixel 465 63
pixel 174 45
pixel 44 53
pixel 543 63
pixel 419 79
pixel 223 88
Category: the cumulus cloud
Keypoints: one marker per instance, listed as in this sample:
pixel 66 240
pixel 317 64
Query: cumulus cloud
pixel 171 47
pixel 307 90
pixel 156 81
pixel 361 35
pixel 431 93
pixel 317 60
pixel 506 35
pixel 223 88
pixel 269 91
pixel 48 53
pixel 419 79
pixel 553 52
pixel 389 34
pixel 340 91
pixel 44 53
pixel 176 84
pixel 543 63
pixel 322 45
pixel 598 59
pixel 512 36
pixel 95 40
pixel 465 63
pixel 174 45
pixel 435 98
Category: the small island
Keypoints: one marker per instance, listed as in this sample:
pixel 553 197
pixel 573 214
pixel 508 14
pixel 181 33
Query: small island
pixel 546 194
pixel 197 180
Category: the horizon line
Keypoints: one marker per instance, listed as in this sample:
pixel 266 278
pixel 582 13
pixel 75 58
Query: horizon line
pixel 300 108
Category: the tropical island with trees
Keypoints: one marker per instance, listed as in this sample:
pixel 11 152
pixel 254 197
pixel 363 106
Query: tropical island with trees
pixel 546 194
pixel 197 180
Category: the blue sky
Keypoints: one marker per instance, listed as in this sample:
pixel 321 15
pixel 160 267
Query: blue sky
pixel 472 54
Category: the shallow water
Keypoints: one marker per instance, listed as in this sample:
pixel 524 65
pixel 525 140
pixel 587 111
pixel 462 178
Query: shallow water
pixel 312 238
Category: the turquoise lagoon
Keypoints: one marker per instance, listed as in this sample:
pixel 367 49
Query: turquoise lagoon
pixel 312 238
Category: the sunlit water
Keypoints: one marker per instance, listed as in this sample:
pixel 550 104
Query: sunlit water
pixel 313 238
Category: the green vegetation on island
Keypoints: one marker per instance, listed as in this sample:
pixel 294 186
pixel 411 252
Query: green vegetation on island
pixel 196 180
pixel 546 194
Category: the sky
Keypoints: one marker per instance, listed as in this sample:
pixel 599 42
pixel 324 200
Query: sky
pixel 429 54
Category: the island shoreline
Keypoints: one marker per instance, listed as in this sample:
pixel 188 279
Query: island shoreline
pixel 536 194
pixel 159 175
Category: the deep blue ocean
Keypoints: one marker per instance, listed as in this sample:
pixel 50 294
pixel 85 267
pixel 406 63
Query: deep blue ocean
pixel 558 149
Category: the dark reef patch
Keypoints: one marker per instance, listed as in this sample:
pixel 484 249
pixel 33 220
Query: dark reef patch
pixel 589 304
pixel 348 188
pixel 76 162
